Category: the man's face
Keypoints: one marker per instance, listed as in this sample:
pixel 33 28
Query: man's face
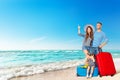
pixel 99 26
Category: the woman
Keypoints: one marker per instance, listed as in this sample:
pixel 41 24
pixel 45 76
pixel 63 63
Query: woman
pixel 88 38
pixel 87 44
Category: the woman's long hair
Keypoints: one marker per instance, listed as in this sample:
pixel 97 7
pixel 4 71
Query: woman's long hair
pixel 87 34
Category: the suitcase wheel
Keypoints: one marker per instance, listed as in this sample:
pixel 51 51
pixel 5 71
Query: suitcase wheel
pixel 100 76
pixel 112 75
pixel 77 75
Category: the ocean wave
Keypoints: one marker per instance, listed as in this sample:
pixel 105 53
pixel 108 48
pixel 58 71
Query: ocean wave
pixel 69 51
pixel 76 51
pixel 8 73
pixel 56 51
pixel 115 54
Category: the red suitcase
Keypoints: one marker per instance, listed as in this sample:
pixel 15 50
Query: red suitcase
pixel 105 64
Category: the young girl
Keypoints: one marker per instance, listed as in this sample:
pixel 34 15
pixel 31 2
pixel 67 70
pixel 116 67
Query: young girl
pixel 91 65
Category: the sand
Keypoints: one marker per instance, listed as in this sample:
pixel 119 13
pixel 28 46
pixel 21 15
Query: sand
pixel 69 74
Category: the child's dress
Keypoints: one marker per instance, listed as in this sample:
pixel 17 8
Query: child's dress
pixel 90 62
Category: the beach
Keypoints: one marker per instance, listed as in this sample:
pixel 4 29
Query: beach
pixel 46 65
pixel 69 74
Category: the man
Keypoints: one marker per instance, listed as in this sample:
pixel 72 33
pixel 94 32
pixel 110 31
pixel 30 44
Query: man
pixel 100 39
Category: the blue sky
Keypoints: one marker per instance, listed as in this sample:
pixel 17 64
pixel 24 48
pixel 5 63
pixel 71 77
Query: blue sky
pixel 52 24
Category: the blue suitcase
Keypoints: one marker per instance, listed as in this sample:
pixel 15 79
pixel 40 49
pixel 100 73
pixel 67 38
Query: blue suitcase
pixel 83 71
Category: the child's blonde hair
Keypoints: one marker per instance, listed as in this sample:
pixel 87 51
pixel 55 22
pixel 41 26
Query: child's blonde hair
pixel 91 54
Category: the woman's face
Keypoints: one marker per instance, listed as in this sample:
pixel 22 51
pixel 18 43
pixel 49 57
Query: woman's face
pixel 88 30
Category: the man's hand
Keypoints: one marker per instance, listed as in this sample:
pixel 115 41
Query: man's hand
pixel 100 46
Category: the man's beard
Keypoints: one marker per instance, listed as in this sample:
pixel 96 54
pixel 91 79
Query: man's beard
pixel 98 28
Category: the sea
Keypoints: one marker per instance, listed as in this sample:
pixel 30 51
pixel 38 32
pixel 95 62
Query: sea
pixel 28 62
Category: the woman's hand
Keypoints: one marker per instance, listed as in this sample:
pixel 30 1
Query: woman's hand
pixel 78 29
pixel 87 56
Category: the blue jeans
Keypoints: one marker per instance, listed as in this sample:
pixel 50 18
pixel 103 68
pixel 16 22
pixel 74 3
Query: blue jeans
pixel 86 48
pixel 95 50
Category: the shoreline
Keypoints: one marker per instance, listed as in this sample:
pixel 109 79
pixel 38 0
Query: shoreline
pixel 45 69
pixel 8 73
pixel 66 74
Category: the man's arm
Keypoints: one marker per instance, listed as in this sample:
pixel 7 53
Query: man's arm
pixel 104 42
pixel 102 45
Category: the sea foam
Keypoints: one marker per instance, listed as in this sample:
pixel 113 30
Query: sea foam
pixel 8 73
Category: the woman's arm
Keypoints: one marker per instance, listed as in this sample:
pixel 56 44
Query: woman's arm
pixel 82 35
pixel 79 33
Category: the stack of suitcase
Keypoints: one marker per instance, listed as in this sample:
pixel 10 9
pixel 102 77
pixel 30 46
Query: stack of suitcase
pixel 105 66
pixel 83 71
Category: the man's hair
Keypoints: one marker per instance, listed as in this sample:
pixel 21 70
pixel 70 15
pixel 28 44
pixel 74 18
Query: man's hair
pixel 99 23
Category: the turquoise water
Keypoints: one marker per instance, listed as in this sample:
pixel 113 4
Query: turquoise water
pixel 18 58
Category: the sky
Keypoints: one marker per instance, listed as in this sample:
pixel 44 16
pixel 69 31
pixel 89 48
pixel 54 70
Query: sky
pixel 52 24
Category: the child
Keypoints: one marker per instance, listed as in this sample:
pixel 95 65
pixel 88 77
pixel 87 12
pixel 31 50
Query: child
pixel 91 65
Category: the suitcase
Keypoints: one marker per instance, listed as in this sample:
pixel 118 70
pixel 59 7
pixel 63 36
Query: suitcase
pixel 105 64
pixel 83 71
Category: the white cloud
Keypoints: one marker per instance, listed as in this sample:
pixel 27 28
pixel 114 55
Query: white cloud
pixel 37 39
pixel 74 40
